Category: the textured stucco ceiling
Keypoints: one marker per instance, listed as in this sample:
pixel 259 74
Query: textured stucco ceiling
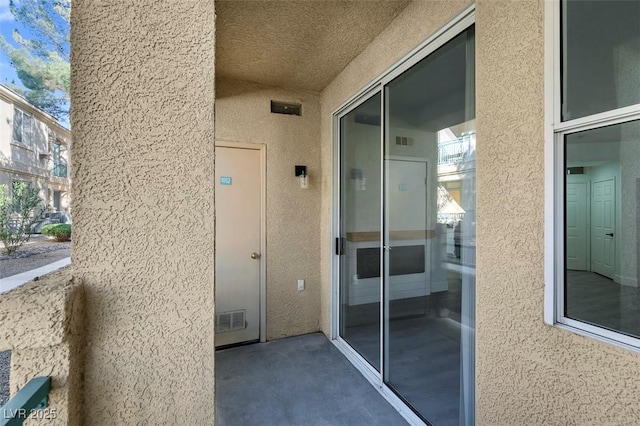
pixel 300 44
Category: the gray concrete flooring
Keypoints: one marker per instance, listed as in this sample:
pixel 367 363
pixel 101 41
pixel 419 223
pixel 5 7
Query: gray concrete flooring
pixel 302 380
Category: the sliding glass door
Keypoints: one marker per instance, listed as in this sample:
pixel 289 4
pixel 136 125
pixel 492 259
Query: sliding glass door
pixel 407 232
pixel 360 196
pixel 430 233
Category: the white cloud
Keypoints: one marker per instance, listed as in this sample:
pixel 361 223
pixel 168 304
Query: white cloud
pixel 5 13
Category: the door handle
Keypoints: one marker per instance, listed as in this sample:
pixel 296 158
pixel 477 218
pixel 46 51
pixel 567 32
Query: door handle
pixel 610 235
pixel 255 255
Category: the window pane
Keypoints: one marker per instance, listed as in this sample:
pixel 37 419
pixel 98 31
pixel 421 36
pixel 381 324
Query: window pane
pixel 602 227
pixel 56 152
pixel 601 56
pixel 360 229
pixel 17 125
pixel 430 175
pixel 26 129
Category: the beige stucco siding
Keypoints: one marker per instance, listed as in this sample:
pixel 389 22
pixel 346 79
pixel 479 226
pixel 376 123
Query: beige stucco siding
pixel 243 114
pixel 142 114
pixel 413 25
pixel 528 372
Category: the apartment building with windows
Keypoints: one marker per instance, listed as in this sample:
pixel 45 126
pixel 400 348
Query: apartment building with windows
pixel 34 148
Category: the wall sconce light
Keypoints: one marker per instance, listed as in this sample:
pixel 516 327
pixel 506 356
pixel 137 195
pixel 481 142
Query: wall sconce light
pixel 361 182
pixel 301 172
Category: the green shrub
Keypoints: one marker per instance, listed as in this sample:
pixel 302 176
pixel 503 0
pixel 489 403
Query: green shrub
pixel 18 214
pixel 61 231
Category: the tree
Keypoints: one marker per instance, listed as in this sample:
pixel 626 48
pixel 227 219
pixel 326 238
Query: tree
pixel 18 214
pixel 42 61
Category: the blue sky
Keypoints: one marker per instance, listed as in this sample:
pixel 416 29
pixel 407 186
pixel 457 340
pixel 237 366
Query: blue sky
pixel 7 25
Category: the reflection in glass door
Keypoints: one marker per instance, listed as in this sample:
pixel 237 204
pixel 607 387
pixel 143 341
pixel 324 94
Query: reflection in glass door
pixel 429 198
pixel 360 194
pixel 407 233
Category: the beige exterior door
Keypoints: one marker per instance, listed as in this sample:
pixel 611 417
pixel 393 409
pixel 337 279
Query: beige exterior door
pixel 602 227
pixel 238 220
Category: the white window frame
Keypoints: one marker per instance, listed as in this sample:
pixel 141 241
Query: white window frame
pixel 22 134
pixel 554 133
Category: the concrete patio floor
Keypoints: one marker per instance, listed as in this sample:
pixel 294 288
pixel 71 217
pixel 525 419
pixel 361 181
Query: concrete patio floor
pixel 302 380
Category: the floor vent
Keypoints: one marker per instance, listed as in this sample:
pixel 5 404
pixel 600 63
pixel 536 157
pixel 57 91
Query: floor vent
pixel 230 321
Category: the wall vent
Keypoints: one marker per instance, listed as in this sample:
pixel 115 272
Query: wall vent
pixel 404 141
pixel 286 108
pixel 230 321
pixel 575 170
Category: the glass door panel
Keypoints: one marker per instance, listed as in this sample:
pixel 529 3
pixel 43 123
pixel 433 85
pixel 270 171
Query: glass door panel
pixel 429 236
pixel 360 224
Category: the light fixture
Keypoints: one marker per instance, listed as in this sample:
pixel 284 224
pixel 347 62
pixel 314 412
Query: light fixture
pixel 301 172
pixel 361 181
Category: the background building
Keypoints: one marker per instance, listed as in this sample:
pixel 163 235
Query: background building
pixel 34 148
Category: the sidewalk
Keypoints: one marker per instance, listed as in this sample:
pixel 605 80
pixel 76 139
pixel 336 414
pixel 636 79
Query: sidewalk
pixel 39 251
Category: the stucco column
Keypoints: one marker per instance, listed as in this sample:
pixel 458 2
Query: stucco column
pixel 143 207
pixel 43 326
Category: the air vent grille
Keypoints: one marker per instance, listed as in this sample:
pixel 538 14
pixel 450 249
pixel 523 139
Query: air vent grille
pixel 230 321
pixel 575 170
pixel 286 108
pixel 404 141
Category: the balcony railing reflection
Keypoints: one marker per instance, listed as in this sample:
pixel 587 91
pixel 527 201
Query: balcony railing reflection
pixel 453 151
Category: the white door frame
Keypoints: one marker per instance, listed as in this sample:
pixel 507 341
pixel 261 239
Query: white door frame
pixel 263 225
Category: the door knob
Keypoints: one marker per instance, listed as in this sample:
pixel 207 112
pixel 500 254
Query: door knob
pixel 255 255
pixel 610 235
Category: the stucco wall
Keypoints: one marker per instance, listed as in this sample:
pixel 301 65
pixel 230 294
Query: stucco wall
pixel 143 243
pixel 43 326
pixel 527 372
pixel 413 25
pixel 243 114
